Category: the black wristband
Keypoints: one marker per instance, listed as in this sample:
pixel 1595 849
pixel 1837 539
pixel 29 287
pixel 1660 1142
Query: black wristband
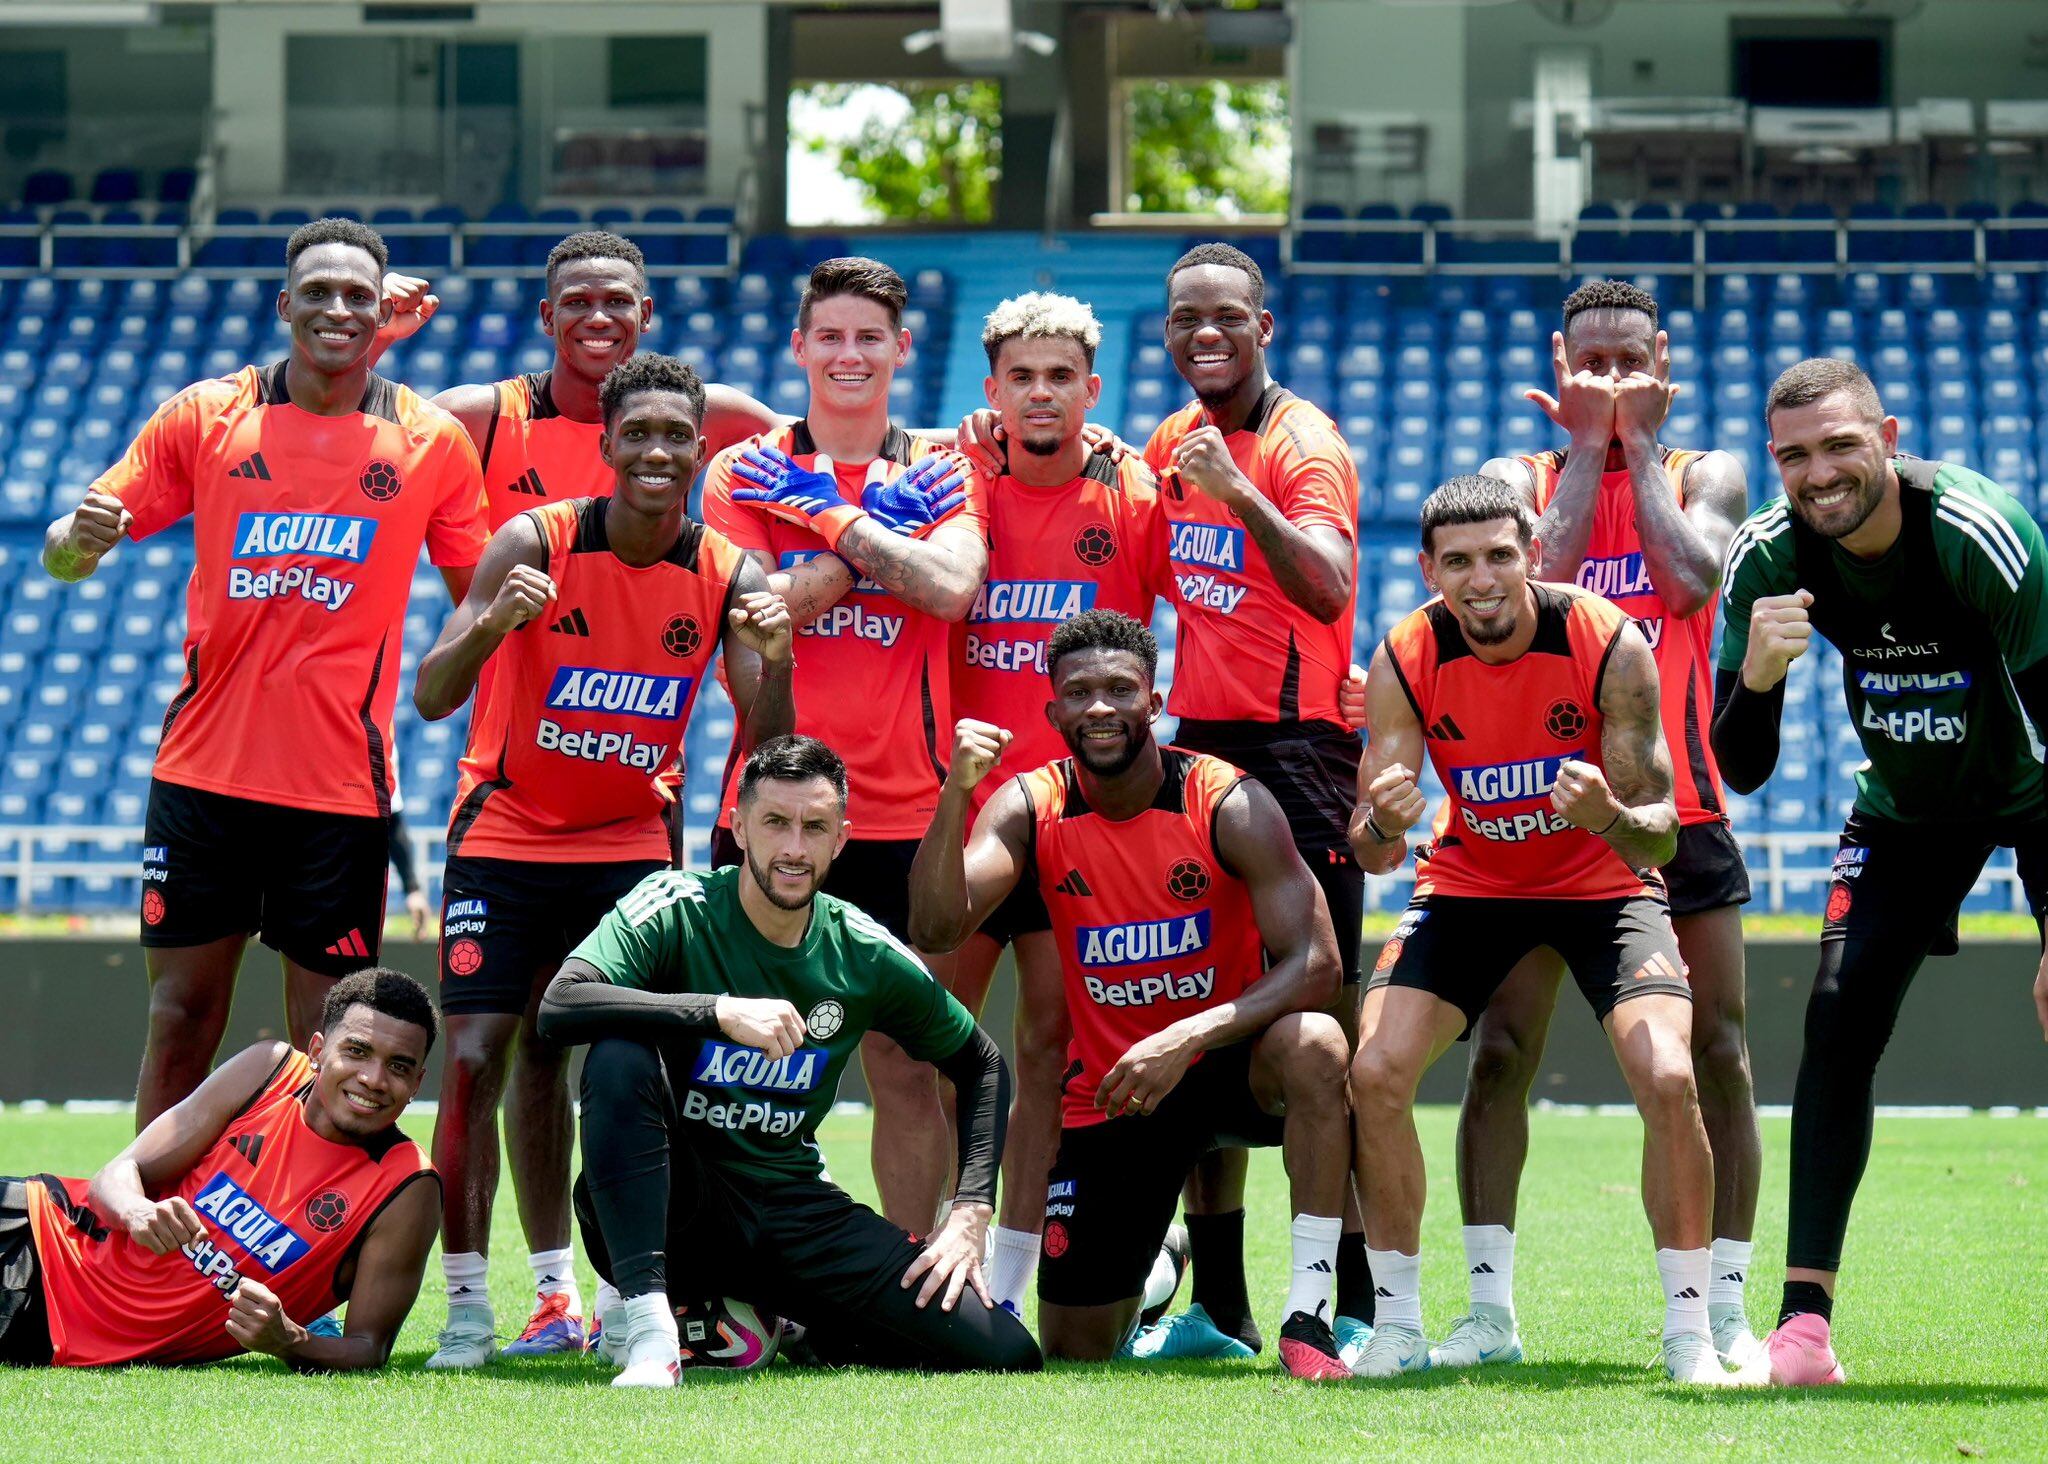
pixel 1611 823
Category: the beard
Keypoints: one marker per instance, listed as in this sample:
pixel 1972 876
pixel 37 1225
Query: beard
pixel 766 881
pixel 1845 519
pixel 1489 633
pixel 1135 743
pixel 1041 446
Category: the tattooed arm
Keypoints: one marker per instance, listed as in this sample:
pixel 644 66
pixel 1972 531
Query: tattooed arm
pixel 1644 826
pixel 938 574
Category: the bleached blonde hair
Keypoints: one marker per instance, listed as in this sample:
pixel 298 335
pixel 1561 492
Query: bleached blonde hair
pixel 1043 315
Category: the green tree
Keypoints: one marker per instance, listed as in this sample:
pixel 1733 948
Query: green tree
pixel 939 164
pixel 1206 146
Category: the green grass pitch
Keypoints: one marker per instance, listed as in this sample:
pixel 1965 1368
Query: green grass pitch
pixel 1943 1325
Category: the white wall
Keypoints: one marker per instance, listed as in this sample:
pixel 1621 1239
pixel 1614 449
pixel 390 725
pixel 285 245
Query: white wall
pixel 1368 56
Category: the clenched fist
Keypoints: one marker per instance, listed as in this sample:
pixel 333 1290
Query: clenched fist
pixel 977 747
pixel 1203 459
pixel 1582 798
pixel 1393 804
pixel 97 525
pixel 766 1023
pixel 1779 630
pixel 162 1226
pixel 526 593
pixel 412 306
pixel 762 623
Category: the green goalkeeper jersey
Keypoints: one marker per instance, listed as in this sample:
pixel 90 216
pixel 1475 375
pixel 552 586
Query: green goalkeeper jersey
pixel 678 932
pixel 1932 634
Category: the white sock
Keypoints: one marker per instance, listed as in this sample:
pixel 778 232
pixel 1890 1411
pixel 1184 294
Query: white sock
pixel 1315 1265
pixel 468 1274
pixel 608 1300
pixel 554 1271
pixel 1160 1284
pixel 648 1321
pixel 1013 1260
pixel 1730 1271
pixel 1490 1265
pixel 1684 1274
pixel 1396 1288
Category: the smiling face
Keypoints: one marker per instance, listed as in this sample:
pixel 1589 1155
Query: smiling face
pixel 333 302
pixel 652 446
pixel 367 1067
pixel 790 831
pixel 1103 706
pixel 1835 458
pixel 1213 331
pixel 1043 389
pixel 596 311
pixel 849 352
pixel 1482 571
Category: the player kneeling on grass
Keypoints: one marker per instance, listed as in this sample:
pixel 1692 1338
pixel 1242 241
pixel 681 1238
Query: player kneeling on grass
pixel 287 1190
pixel 1538 705
pixel 720 1010
pixel 1170 878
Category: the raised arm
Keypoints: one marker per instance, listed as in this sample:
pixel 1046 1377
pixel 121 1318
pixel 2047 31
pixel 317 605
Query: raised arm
pixel 1683 548
pixel 1314 563
pixel 1629 805
pixel 1584 408
pixel 759 661
pixel 731 416
pixel 956 880
pixel 510 588
pixel 1389 801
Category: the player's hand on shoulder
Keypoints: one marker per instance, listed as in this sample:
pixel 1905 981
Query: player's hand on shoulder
pixel 256 1318
pixel 980 441
pixel 1096 437
pixel 525 594
pixel 1203 459
pixel 162 1226
pixel 1149 1069
pixel 412 306
pixel 1582 798
pixel 761 621
pixel 977 747
pixel 97 524
pixel 1780 628
pixel 764 1022
pixel 951 1260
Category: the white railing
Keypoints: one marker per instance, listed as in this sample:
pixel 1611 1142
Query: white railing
pixel 1779 862
pixel 1521 246
pixel 62 249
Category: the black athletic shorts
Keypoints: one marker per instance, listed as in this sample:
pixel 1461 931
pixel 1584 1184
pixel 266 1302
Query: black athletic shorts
pixel 1023 912
pixel 1887 875
pixel 806 1250
pixel 869 874
pixel 1707 872
pixel 311 885
pixel 24 1316
pixel 1311 769
pixel 1113 1186
pixel 507 924
pixel 1461 948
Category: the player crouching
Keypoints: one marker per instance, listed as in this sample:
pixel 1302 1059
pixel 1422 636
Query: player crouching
pixel 1170 877
pixel 1538 706
pixel 287 1189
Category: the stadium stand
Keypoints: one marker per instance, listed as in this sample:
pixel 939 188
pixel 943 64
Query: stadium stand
pixel 1423 371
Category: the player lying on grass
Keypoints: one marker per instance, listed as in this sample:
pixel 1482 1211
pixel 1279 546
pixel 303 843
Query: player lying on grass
pixel 1538 706
pixel 1170 878
pixel 286 1189
pixel 720 1010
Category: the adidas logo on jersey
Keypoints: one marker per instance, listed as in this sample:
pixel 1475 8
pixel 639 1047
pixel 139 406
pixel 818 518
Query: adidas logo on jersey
pixel 249 1146
pixel 1074 885
pixel 528 483
pixel 251 466
pixel 571 624
pixel 1445 730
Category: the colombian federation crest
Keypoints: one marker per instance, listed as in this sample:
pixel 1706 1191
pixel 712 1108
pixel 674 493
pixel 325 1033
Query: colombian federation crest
pixel 826 1018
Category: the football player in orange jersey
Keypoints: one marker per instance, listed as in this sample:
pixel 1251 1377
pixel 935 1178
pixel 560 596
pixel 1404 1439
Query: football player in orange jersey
pixel 312 484
pixel 275 1190
pixel 1538 706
